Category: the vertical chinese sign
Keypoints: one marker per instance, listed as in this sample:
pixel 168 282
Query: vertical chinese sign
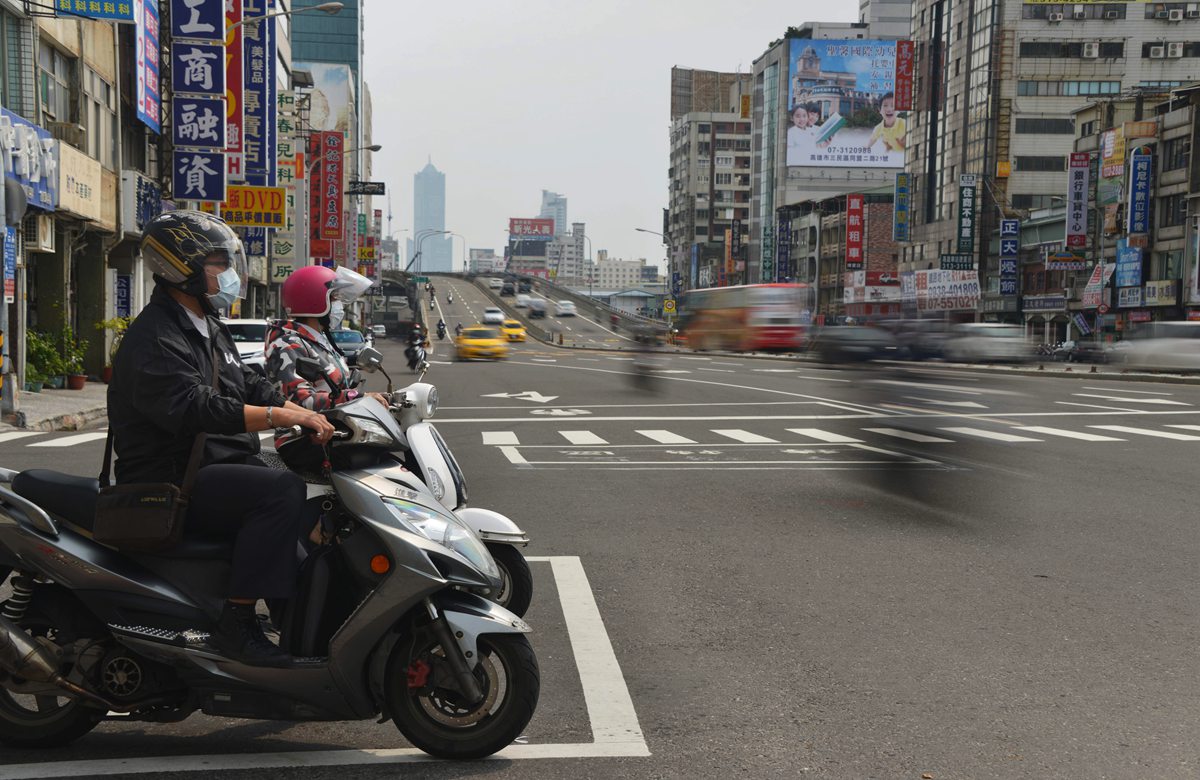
pixel 258 107
pixel 332 224
pixel 966 213
pixel 1139 193
pixel 854 232
pixel 904 76
pixel 900 207
pixel 147 101
pixel 319 248
pixel 1010 248
pixel 198 99
pixel 724 266
pixel 234 90
pixel 1077 200
pixel 288 169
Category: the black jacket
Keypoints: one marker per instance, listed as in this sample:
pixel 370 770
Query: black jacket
pixel 160 397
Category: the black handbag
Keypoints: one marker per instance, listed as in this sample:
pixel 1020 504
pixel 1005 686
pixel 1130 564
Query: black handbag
pixel 147 516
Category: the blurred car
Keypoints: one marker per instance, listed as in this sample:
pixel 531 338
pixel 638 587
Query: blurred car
pixel 495 283
pixel 350 342
pixel 922 339
pixel 1164 346
pixel 854 343
pixel 522 301
pixel 480 342
pixel 508 288
pixel 1084 352
pixel 379 331
pixel 524 286
pixel 564 309
pixel 987 342
pixel 492 316
pixel 251 339
pixel 513 330
pixel 537 309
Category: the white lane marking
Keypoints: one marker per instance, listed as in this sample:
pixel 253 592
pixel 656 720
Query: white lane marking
pixel 943 388
pixel 693 357
pixel 743 436
pixel 71 441
pixel 719 370
pixel 1066 434
pixel 582 437
pixel 667 418
pixel 619 358
pixel 826 436
pixel 666 437
pixel 544 360
pixel 14 435
pixel 500 437
pixel 1097 406
pixel 901 434
pixel 1123 400
pixel 616 731
pixel 1139 392
pixel 1186 427
pixel 1147 432
pixel 940 402
pixel 725 363
pixel 981 433
pixel 514 456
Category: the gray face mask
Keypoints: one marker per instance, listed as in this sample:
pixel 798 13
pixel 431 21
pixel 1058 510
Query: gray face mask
pixel 337 312
pixel 230 286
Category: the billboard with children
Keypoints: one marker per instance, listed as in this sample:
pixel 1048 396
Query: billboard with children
pixel 846 103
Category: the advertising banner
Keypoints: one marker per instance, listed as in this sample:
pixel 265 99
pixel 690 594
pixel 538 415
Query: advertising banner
pixel 1093 291
pixel 327 184
pixel 900 206
pixel 198 69
pixel 842 107
pixel 1081 323
pixel 694 267
pixel 103 10
pixel 10 264
pixel 1064 261
pixel 78 183
pixel 1161 293
pixel 534 229
pixel 147 100
pixel 27 153
pixel 1129 265
pixel 957 262
pixel 1044 303
pixel 783 264
pixel 332 95
pixel 1077 200
pixel 234 88
pixel 247 206
pixel 1139 194
pixel 966 213
pixel 854 232
pixel 1129 297
pixel 905 51
pixel 124 295
pixel 1112 167
pixel 938 290
pixel 200 20
pixel 258 82
pixel 199 176
pixel 141 201
pixel 198 123
pixel 726 270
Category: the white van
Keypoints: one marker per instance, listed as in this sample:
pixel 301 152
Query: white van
pixel 495 283
pixel 522 300
pixel 1164 346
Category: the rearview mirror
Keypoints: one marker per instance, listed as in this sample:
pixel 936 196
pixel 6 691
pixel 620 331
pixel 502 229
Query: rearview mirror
pixel 370 360
pixel 310 369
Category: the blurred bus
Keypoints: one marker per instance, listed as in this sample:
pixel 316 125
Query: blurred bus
pixel 750 317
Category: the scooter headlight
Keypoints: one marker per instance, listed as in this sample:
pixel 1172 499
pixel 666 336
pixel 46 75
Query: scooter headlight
pixel 445 530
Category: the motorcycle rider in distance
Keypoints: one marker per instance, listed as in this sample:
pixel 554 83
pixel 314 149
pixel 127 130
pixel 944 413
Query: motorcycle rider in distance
pixel 441 329
pixel 458 329
pixel 161 397
pixel 417 344
pixel 450 297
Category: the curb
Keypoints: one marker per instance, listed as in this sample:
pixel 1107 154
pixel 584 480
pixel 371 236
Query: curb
pixel 71 421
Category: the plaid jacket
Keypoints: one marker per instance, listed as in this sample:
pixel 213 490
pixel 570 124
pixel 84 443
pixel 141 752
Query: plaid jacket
pixel 288 340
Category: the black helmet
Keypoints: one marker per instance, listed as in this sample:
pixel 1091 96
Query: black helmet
pixel 176 244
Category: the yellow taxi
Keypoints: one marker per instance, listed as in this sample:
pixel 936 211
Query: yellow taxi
pixel 480 341
pixel 513 330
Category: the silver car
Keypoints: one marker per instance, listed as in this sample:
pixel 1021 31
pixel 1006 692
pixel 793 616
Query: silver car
pixel 1164 346
pixel 987 342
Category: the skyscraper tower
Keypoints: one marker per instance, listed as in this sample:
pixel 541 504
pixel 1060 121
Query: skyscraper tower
pixel 554 206
pixel 429 213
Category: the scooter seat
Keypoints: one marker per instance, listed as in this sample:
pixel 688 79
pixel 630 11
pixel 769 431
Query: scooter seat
pixel 70 497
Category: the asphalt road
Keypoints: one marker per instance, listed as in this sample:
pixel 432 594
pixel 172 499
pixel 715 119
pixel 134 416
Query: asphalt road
pixel 800 571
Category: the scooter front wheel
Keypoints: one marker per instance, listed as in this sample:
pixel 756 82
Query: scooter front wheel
pixel 424 701
pixel 516 593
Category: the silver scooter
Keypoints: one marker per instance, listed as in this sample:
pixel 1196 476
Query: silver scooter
pixel 384 620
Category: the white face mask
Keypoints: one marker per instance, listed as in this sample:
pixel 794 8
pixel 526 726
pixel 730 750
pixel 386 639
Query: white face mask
pixel 229 288
pixel 337 312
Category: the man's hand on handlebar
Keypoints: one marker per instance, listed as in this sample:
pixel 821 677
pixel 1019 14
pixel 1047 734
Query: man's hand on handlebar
pixel 292 414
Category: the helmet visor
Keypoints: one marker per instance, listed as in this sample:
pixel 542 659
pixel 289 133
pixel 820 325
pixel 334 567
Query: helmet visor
pixel 233 251
pixel 349 285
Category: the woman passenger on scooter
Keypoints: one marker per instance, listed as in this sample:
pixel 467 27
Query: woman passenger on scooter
pixel 161 397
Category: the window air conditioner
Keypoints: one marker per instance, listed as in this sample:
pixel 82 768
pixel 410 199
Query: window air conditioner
pixel 1091 51
pixel 1158 52
pixel 39 233
pixel 1175 50
pixel 1112 14
pixel 1160 15
pixel 1193 13
pixel 1080 14
pixel 1176 15
pixel 1054 17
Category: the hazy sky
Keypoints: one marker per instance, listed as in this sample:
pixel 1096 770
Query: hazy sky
pixel 512 97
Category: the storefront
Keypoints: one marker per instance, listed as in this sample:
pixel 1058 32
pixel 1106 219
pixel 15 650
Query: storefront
pixel 1046 318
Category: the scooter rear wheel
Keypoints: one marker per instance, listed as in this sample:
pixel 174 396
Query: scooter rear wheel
pixel 424 707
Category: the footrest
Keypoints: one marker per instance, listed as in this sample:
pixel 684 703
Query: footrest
pixel 188 638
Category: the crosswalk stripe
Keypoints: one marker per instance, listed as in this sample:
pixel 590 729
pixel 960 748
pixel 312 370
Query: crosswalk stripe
pixel 582 437
pixel 666 437
pixel 70 441
pixel 1186 427
pixel 900 434
pixel 981 433
pixel 1066 434
pixel 825 436
pixel 500 437
pixel 743 436
pixel 1147 432
pixel 18 435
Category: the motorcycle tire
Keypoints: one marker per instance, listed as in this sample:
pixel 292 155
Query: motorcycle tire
pixel 428 716
pixel 517 592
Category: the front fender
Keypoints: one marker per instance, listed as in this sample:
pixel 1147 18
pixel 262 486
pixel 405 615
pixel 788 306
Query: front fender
pixel 472 616
pixel 493 526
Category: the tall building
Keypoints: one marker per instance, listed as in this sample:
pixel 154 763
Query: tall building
pixel 998 85
pixel 429 214
pixel 554 206
pixel 703 90
pixel 566 257
pixel 321 37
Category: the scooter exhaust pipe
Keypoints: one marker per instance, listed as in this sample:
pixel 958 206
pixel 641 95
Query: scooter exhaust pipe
pixel 23 656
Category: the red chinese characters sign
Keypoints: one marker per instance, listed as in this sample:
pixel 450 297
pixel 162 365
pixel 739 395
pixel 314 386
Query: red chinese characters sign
pixel 854 232
pixel 234 121
pixel 904 75
pixel 326 187
pixel 531 229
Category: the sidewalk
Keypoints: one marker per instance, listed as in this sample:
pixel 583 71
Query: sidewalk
pixel 59 410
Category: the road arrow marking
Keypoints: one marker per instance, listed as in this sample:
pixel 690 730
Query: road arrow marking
pixel 962 404
pixel 560 412
pixel 524 395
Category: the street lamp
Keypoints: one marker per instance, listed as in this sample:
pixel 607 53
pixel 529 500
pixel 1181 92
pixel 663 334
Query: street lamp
pixel 304 203
pixel 420 241
pixel 591 266
pixel 329 8
pixel 653 233
pixel 464 250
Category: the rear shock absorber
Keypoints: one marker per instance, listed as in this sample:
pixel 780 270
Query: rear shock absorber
pixel 14 608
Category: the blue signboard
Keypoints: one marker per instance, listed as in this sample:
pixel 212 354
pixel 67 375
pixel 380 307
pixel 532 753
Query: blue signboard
pixel 255 240
pixel 124 295
pixel 1010 228
pixel 1129 265
pixel 10 264
pixel 147 201
pixel 105 10
pixel 198 123
pixel 27 153
pixel 676 282
pixel 1139 193
pixel 198 69
pixel 900 213
pixel 199 20
pixel 1010 248
pixel 148 102
pixel 1008 267
pixel 199 176
pixel 258 77
pixel 1008 286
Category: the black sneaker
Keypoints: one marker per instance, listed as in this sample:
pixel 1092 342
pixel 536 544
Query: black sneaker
pixel 239 636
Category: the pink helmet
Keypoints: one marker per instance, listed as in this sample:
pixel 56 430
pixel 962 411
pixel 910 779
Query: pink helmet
pixel 310 291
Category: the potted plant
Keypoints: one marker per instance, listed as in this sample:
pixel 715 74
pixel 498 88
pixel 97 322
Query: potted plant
pixel 118 326
pixel 41 360
pixel 72 350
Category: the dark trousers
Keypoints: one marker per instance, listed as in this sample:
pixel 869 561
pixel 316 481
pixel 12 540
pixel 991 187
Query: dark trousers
pixel 262 511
